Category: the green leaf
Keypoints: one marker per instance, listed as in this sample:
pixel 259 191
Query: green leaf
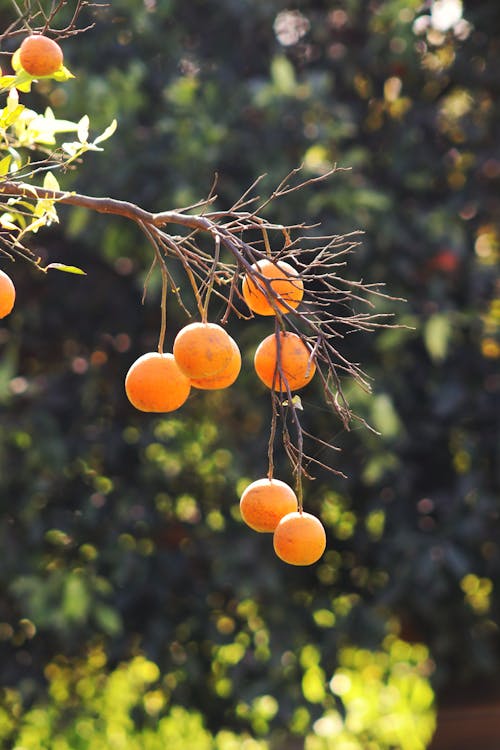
pixel 76 599
pixel 108 619
pixel 5 164
pixel 107 133
pixel 283 75
pixel 83 129
pixel 296 402
pixel 7 222
pixel 65 269
pixel 385 416
pixel 50 182
pixel 61 75
pixel 437 334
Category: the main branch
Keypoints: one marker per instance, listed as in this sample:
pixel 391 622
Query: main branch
pixel 333 306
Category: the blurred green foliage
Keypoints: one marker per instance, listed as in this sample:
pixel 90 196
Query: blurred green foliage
pixel 124 527
pixel 386 697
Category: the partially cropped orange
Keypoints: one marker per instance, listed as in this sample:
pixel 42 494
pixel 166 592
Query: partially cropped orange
pixel 154 383
pixel 7 294
pixel 40 56
pixel 296 365
pixel 299 539
pixel 225 377
pixel 202 350
pixel 264 503
pixel 284 281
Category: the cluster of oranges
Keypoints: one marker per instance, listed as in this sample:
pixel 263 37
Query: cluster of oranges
pixel 205 356
pixel 270 505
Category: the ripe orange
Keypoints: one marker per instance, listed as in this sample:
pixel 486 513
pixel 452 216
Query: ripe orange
pixel 7 294
pixel 297 367
pixel 285 282
pixel 265 501
pixel 202 350
pixel 299 539
pixel 155 383
pixel 225 377
pixel 40 56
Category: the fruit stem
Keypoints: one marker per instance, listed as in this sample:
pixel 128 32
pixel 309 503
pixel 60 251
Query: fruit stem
pixel 299 492
pixel 266 241
pixel 164 287
pixel 164 284
pixel 272 436
pixel 211 279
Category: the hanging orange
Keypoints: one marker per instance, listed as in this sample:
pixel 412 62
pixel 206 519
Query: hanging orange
pixel 284 281
pixel 297 367
pixel 264 503
pixel 40 56
pixel 7 294
pixel 154 383
pixel 202 350
pixel 225 377
pixel 299 539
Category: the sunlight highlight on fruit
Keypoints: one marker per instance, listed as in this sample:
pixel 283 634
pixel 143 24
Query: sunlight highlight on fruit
pixel 264 503
pixel 154 383
pixel 202 350
pixel 284 281
pixel 297 367
pixel 299 539
pixel 40 56
pixel 225 377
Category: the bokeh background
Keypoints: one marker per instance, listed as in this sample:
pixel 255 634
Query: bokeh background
pixel 136 610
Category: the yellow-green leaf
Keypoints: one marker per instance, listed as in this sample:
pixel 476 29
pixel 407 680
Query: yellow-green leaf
pixel 437 334
pixel 50 182
pixel 66 269
pixel 5 165
pixel 63 74
pixel 107 133
pixel 83 129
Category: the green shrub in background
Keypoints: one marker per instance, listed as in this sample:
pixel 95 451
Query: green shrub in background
pixel 385 697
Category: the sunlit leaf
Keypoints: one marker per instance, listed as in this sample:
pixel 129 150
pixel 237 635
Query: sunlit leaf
pixel 63 74
pixel 50 182
pixel 7 222
pixel 5 165
pixel 16 61
pixel 107 133
pixel 385 416
pixel 296 402
pixel 437 333
pixel 283 75
pixel 108 619
pixel 76 598
pixel 66 269
pixel 83 129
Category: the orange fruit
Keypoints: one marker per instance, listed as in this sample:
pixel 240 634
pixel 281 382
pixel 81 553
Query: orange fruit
pixel 202 350
pixel 265 501
pixel 155 383
pixel 299 539
pixel 296 366
pixel 225 377
pixel 40 56
pixel 284 281
pixel 7 294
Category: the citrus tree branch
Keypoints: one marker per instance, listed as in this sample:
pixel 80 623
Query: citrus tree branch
pixel 328 312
